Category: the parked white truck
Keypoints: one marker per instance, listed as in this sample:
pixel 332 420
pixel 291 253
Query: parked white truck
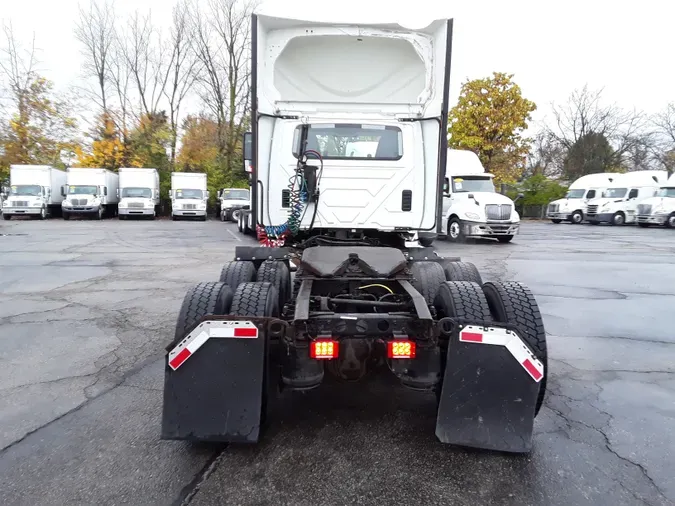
pixel 618 204
pixel 90 192
pixel 659 210
pixel 139 192
pixel 35 190
pixel 232 200
pixel 188 195
pixel 471 206
pixel 572 208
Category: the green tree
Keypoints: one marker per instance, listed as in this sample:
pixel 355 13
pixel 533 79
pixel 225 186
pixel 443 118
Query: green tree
pixel 590 154
pixel 539 191
pixel 490 119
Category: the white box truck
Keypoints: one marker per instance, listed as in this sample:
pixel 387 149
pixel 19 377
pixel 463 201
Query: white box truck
pixel 471 206
pixel 188 195
pixel 659 210
pixel 139 192
pixel 572 208
pixel 618 204
pixel 232 200
pixel 35 190
pixel 91 192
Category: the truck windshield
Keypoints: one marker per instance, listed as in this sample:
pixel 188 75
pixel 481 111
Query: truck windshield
pixel 352 141
pixel 26 190
pixel 235 195
pixel 615 193
pixel 575 194
pixel 82 190
pixel 188 194
pixel 465 184
pixel 666 192
pixel 144 193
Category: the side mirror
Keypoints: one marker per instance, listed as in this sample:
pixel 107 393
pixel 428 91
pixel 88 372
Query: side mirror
pixel 207 194
pixel 518 197
pixel 470 195
pixel 446 186
pixel 105 191
pixel 118 193
pixel 63 190
pixel 248 151
pixel 170 193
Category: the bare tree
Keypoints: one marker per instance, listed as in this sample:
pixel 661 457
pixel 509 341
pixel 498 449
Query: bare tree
pixel 665 123
pixel 95 29
pixel 144 54
pixel 222 42
pixel 120 77
pixel 664 148
pixel 181 69
pixel 546 156
pixel 584 113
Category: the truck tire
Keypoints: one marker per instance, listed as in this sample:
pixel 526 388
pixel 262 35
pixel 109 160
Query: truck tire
pixel 462 299
pixel 241 231
pixel 670 222
pixel 577 217
pixel 455 231
pixel 235 273
pixel 505 238
pixel 427 278
pixel 43 213
pixel 200 300
pixel 6 217
pixel 619 219
pixel 514 303
pixel 644 225
pixel 462 271
pixel 261 299
pixel 99 214
pixel 66 216
pixel 556 221
pixel 277 273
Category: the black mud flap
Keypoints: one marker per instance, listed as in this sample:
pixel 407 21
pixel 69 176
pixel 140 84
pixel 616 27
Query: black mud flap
pixel 489 390
pixel 216 391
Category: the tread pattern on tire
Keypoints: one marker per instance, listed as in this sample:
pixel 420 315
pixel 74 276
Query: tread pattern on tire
pixel 462 271
pixel 236 272
pixel 200 300
pixel 250 299
pixel 520 308
pixel 427 278
pixel 466 300
pixel 275 272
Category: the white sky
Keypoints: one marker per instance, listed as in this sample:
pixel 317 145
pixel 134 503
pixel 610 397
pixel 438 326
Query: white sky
pixel 551 47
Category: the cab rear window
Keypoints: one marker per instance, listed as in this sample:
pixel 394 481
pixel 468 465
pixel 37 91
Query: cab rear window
pixel 343 141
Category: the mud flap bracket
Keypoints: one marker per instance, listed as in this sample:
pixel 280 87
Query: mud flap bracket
pixel 489 390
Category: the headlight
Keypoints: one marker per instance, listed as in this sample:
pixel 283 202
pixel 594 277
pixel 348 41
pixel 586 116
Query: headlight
pixel 202 207
pixel 473 216
pixel 65 203
pixel 149 205
pixel 122 204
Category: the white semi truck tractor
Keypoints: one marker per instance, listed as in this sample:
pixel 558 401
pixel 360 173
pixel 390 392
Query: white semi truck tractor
pixel 233 200
pixel 139 193
pixel 35 191
pixel 572 207
pixel 90 192
pixel 366 296
pixel 471 206
pixel 189 196
pixel 660 209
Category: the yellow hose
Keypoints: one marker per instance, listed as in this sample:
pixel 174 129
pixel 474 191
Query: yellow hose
pixel 377 284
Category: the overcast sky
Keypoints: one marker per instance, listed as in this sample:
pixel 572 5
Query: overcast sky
pixel 551 47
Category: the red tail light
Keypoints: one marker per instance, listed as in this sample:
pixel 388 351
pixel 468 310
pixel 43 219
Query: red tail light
pixel 401 349
pixel 325 349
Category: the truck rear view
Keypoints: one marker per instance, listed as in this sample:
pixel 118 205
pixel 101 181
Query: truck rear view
pixel 348 157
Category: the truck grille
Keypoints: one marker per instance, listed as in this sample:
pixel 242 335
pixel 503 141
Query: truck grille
pixel 189 206
pixel 644 209
pixel 498 211
pixel 553 208
pixel 593 209
pixel 79 202
pixel 20 203
pixel 136 205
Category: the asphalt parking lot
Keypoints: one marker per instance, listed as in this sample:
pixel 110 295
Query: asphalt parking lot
pixel 87 307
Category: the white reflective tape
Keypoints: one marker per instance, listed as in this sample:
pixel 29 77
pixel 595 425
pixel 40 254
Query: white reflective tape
pixel 197 342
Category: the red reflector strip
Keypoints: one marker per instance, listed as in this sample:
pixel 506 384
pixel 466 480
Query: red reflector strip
pixel 532 370
pixel 246 332
pixel 401 349
pixel 324 349
pixel 180 358
pixel 471 337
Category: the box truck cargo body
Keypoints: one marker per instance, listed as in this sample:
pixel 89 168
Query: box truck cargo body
pixel 35 190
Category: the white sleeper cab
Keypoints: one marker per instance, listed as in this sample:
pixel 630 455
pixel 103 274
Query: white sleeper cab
pixel 572 208
pixel 471 206
pixel 35 191
pixel 90 192
pixel 139 192
pixel 232 200
pixel 188 195
pixel 659 210
pixel 618 204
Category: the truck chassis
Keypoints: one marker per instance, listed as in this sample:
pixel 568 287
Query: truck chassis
pixel 430 321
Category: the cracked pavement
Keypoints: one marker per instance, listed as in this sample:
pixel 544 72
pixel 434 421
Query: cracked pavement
pixel 86 308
